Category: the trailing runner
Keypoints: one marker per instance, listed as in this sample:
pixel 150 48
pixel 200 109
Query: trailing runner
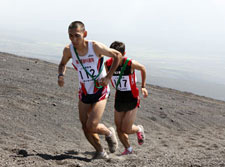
pixel 127 98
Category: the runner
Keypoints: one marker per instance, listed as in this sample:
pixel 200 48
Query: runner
pixel 87 59
pixel 127 98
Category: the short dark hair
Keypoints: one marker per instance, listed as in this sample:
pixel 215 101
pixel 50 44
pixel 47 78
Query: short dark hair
pixel 119 46
pixel 77 24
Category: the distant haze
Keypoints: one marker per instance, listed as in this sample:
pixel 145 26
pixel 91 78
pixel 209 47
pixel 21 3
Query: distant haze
pixel 181 42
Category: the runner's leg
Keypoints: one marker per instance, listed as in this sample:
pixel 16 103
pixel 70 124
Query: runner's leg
pixel 118 117
pixel 93 125
pixel 93 138
pixel 128 126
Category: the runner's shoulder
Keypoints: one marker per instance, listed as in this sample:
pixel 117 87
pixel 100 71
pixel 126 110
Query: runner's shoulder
pixel 130 61
pixel 109 62
pixel 66 51
pixel 67 47
pixel 97 44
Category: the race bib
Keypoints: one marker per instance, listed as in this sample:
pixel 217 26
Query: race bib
pixel 83 75
pixel 124 84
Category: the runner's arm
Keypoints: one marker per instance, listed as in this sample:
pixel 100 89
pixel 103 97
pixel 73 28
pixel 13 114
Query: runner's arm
pixel 62 65
pixel 100 50
pixel 137 66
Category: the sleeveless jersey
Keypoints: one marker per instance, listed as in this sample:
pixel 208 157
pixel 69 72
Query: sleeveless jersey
pixel 128 80
pixel 93 65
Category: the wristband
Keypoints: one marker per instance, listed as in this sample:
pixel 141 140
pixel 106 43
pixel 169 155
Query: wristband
pixel 143 87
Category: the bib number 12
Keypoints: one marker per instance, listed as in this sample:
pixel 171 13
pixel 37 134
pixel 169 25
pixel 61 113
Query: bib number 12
pixel 92 72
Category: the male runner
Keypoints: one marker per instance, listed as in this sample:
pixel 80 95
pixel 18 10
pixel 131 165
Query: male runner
pixel 127 97
pixel 87 59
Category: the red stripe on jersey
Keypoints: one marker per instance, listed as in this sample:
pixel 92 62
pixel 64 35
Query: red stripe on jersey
pixel 83 88
pixel 109 62
pixel 102 97
pixel 104 93
pixel 74 67
pixel 96 89
pixel 129 62
pixel 99 63
pixel 133 86
pixel 138 102
pixel 124 60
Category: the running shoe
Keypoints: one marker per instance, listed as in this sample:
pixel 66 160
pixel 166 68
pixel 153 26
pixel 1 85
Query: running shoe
pixel 112 140
pixel 100 155
pixel 141 135
pixel 126 152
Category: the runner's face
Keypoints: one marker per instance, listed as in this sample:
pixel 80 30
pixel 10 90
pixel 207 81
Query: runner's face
pixel 76 36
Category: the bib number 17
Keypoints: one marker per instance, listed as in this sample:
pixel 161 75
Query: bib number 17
pixel 122 84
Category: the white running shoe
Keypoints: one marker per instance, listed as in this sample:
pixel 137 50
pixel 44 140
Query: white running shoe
pixel 100 155
pixel 112 140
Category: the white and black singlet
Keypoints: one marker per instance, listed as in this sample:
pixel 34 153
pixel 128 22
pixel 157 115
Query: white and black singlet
pixel 88 92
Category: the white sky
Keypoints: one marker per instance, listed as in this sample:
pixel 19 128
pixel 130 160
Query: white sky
pixel 131 16
pixel 193 27
pixel 189 26
pixel 167 23
pixel 190 33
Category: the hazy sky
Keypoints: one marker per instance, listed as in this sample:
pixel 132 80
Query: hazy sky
pixel 175 27
pixel 179 38
pixel 132 17
pixel 167 24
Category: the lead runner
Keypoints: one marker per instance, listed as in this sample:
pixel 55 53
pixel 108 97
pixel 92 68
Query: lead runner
pixel 87 59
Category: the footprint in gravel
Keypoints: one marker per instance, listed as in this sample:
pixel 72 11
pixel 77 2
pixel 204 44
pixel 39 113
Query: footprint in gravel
pixel 214 146
pixel 195 165
pixel 198 146
pixel 190 112
pixel 180 113
pixel 164 143
pixel 153 118
pixel 192 138
pixel 72 152
pixel 181 148
pixel 61 162
pixel 117 157
pixel 163 115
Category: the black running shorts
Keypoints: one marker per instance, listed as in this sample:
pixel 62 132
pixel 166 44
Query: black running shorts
pixel 93 98
pixel 124 101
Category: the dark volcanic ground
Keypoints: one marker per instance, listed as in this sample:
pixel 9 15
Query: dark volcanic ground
pixel 39 123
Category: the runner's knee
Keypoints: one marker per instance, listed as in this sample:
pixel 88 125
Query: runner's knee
pixel 118 129
pixel 126 129
pixel 84 127
pixel 91 127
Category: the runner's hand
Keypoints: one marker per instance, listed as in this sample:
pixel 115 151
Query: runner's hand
pixel 144 92
pixel 61 81
pixel 104 81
